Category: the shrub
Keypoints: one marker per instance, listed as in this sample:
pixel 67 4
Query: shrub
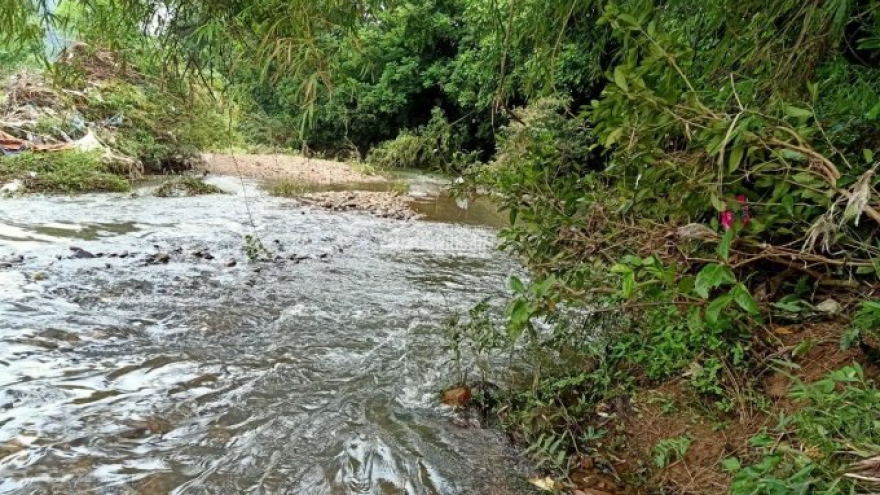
pixel 65 172
pixel 435 146
pixel 186 186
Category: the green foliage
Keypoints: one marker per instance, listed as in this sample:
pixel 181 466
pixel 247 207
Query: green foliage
pixel 186 185
pixel 163 129
pixel 254 248
pixel 67 172
pixel 865 326
pixel 818 449
pixel 14 56
pixel 528 303
pixel 434 146
pixel 475 341
pixel 541 175
pixel 549 452
pixel 637 194
pixel 286 188
pixel 385 78
pixel 670 450
pixel 755 144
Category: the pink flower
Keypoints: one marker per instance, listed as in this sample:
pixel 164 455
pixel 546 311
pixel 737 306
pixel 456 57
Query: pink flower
pixel 727 219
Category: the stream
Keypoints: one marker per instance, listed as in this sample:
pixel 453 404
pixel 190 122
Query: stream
pixel 169 363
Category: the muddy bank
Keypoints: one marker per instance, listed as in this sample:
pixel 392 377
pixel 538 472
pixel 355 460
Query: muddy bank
pixel 284 167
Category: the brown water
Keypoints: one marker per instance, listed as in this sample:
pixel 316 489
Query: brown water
pixel 316 376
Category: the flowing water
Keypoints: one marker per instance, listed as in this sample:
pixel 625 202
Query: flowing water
pixel 316 373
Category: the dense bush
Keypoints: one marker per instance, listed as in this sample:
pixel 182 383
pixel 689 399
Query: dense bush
pixel 719 180
pixel 391 75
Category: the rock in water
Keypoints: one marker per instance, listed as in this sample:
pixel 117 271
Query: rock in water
pixel 158 259
pixel 456 397
pixel 80 253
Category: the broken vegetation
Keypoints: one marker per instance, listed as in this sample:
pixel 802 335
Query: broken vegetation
pixel 90 104
pixel 186 185
pixel 65 173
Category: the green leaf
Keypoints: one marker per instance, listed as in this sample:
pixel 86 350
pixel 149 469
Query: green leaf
pixel 850 337
pixel 792 304
pixel 762 440
pixel 713 312
pixel 803 348
pixel 686 285
pixel 629 20
pixel 519 310
pixel 629 284
pixel 788 204
pixel 874 112
pixel 712 276
pixel 795 156
pixel 736 156
pixel 796 112
pixel 613 137
pixel 541 288
pixel 519 313
pixel 745 300
pixel 621 268
pixel 516 285
pixel 717 203
pixel 731 464
pixel 620 79
pixel 869 44
pixel 866 270
pixel 814 91
pixel 632 260
pixel 869 156
pixel 724 245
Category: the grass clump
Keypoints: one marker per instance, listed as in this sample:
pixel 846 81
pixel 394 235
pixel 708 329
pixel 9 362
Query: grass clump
pixel 830 445
pixel 186 186
pixel 67 172
pixel 287 188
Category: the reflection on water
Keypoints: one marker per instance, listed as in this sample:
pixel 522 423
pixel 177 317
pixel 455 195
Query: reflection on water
pixel 428 197
pixel 444 208
pixel 316 374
